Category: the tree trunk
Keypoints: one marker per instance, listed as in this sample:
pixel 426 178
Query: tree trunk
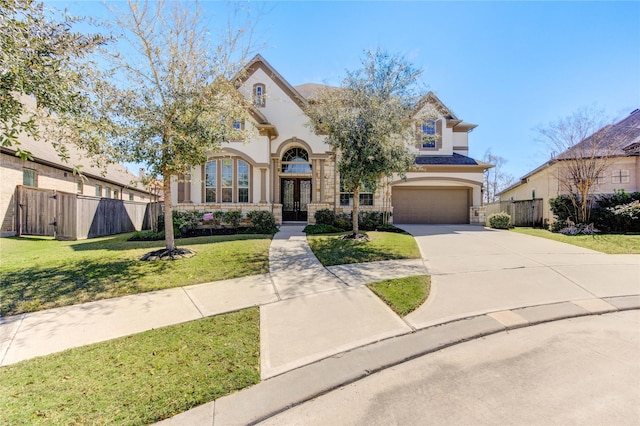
pixel 355 211
pixel 169 238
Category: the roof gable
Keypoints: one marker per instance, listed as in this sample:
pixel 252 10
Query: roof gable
pixel 432 100
pixel 258 62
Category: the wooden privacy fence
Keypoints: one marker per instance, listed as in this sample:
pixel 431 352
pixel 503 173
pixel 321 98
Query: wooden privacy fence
pixel 71 216
pixel 522 212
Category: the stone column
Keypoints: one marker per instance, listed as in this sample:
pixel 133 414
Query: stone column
pixel 263 185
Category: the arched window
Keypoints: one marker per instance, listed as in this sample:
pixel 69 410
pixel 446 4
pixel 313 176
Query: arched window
pixel 296 160
pixel 259 95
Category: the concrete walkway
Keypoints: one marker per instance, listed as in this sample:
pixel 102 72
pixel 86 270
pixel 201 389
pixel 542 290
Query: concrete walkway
pixel 322 328
pixel 299 299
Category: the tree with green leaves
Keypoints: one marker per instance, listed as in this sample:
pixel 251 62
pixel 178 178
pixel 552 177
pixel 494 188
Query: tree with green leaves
pixel 368 122
pixel 43 74
pixel 170 98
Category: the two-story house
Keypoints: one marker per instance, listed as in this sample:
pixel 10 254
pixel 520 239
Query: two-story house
pixel 291 171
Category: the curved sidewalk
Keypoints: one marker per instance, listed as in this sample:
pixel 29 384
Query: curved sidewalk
pixel 298 290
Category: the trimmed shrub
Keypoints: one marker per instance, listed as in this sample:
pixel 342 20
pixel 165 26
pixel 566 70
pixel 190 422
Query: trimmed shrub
pixel 232 217
pixel 616 213
pixel 185 222
pixel 321 228
pixel 325 217
pixel 564 212
pixel 146 236
pixel 344 221
pixel 263 222
pixel 500 220
pixel 387 227
pixel 370 220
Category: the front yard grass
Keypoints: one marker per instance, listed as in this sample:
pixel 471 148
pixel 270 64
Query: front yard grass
pixel 403 295
pixel 332 250
pixel 609 243
pixel 138 379
pixel 41 273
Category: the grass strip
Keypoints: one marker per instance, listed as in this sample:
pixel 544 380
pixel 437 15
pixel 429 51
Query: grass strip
pixel 608 243
pixel 139 379
pixel 403 295
pixel 42 273
pixel 332 250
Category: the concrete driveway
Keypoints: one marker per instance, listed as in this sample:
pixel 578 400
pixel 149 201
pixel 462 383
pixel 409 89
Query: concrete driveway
pixel 476 270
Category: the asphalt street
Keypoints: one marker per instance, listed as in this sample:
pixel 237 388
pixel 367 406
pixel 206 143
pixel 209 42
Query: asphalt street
pixel 582 371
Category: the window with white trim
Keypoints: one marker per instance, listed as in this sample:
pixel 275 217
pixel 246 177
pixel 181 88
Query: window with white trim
pixel 98 190
pixel 107 192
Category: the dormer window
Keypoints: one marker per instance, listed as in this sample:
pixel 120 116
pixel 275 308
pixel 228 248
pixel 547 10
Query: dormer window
pixel 259 95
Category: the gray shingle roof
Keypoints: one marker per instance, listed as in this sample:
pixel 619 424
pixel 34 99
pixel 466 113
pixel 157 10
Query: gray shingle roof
pixel 619 139
pixel 455 159
pixel 43 152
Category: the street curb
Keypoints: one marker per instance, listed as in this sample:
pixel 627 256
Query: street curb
pixel 282 392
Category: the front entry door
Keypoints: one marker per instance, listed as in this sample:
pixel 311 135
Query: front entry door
pixel 296 195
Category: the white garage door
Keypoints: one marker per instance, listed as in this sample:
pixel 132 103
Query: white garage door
pixel 430 205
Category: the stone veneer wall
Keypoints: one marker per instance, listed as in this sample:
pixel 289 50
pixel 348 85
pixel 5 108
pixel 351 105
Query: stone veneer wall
pixel 244 208
pixel 477 215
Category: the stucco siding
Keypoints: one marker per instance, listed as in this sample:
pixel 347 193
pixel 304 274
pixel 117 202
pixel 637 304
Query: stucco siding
pixel 546 185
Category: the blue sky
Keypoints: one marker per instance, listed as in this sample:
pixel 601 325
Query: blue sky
pixel 506 66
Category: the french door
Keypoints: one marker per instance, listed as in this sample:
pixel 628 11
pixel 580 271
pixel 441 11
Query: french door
pixel 296 195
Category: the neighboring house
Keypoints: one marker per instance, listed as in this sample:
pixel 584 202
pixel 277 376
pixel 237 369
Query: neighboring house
pixel 289 170
pixel 623 173
pixel 48 171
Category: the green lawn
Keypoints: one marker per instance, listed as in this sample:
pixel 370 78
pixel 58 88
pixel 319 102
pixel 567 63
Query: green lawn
pixel 42 273
pixel 332 250
pixel 138 379
pixel 610 243
pixel 403 295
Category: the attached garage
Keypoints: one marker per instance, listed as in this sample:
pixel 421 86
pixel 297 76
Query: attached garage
pixel 444 205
